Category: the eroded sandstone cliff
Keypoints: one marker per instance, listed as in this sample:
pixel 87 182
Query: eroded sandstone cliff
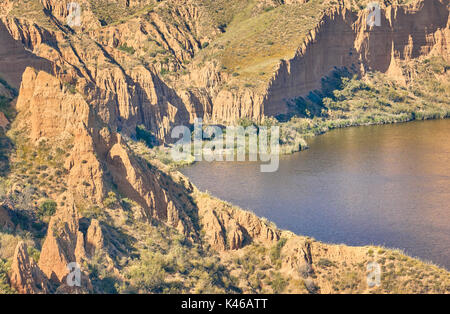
pixel 115 69
pixel 90 86
pixel 344 39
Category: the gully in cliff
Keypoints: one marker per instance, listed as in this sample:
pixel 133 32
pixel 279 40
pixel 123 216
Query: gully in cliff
pixel 210 144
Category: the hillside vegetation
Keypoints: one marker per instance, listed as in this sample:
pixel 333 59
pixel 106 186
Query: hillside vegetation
pixel 85 173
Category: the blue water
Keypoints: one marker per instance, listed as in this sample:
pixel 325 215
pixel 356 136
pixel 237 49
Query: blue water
pixel 384 185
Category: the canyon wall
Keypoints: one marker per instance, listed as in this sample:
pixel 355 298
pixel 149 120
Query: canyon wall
pixel 96 95
pixel 343 39
pixel 14 58
pixel 79 86
pixel 98 157
pixel 125 92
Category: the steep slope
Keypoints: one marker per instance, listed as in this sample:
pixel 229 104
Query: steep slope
pixel 79 187
pixel 406 33
pixel 149 67
pixel 14 58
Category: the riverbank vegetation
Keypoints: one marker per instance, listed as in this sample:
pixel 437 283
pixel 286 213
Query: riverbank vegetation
pixel 348 100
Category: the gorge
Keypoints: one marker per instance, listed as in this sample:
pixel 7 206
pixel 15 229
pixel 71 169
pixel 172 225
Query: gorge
pixel 86 109
pixel 383 185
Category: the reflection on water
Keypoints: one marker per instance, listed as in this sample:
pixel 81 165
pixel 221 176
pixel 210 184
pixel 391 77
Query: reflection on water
pixel 384 185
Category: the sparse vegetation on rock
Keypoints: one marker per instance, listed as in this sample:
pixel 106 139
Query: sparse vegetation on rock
pixel 86 173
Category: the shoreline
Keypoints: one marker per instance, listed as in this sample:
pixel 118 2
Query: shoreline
pixel 395 248
pixel 299 143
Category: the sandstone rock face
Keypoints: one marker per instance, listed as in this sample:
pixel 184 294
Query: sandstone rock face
pixel 93 94
pixel 25 276
pixel 97 155
pixel 3 121
pixel 149 188
pixel 122 96
pixel 60 10
pixel 228 228
pixel 94 238
pixel 124 92
pixel 343 39
pixel 5 218
pixel 14 58
pixel 63 111
pixel 297 257
pixel 62 245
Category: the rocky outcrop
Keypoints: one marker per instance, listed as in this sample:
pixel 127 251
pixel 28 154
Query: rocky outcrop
pixel 5 218
pixel 68 109
pixel 345 40
pixel 65 249
pixel 25 275
pixel 3 121
pixel 63 245
pixel 14 58
pixel 98 157
pixel 92 91
pixel 229 228
pixel 297 257
pixel 67 245
pixel 149 188
pixel 94 238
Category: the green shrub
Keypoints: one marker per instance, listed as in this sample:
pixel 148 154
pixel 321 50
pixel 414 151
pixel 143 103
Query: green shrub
pixel 275 251
pixel 71 87
pixel 4 270
pixel 34 254
pixel 11 89
pixel 142 134
pixel 148 273
pixel 127 49
pixel 168 263
pixel 245 122
pixel 324 263
pixel 278 283
pixel 111 201
pixel 47 208
pixel 93 212
pixel 6 108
